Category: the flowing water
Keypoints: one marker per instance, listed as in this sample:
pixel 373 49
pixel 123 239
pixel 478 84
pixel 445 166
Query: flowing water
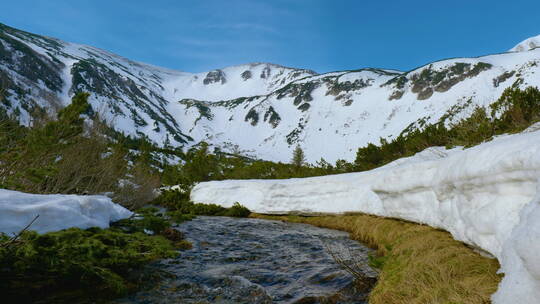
pixel 259 261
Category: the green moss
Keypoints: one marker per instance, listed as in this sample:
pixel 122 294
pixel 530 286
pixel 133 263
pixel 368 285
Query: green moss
pixel 93 264
pixel 96 262
pixel 179 217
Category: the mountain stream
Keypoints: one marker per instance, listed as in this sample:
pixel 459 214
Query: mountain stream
pixel 260 261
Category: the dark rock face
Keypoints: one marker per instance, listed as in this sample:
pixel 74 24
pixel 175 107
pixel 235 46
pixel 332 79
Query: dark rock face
pixel 246 75
pixel 300 91
pixel 18 57
pixel 441 81
pixel 252 116
pixel 272 117
pixel 88 75
pixel 430 80
pixel 396 95
pixel 215 76
pixel 304 107
pixel 336 87
pixel 502 78
pixel 266 72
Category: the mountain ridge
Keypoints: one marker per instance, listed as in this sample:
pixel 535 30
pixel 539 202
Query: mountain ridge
pixel 527 44
pixel 260 109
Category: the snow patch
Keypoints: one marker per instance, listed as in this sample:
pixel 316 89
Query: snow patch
pixel 56 211
pixel 520 259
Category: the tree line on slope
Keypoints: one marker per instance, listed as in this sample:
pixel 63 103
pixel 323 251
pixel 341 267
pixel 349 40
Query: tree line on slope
pixel 513 112
pixel 72 155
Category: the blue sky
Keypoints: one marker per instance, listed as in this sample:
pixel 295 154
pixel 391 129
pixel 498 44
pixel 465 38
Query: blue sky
pixel 323 35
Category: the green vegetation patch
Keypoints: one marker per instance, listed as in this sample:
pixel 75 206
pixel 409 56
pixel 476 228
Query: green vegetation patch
pixel 65 156
pixel 94 264
pixel 182 208
pixel 513 112
pixel 75 263
pixel 201 165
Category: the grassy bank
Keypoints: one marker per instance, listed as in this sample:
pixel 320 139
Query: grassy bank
pixel 418 264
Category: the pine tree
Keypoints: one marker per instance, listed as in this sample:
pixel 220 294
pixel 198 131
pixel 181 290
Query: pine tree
pixel 298 158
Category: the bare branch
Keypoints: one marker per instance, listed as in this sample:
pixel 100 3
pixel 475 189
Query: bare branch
pixel 16 237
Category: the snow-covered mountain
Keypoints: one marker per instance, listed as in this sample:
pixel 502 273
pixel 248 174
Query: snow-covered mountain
pixel 261 109
pixel 527 44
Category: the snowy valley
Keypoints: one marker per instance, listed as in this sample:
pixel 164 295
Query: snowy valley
pixel 483 187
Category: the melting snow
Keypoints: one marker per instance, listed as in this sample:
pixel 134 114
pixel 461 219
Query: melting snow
pixel 56 211
pixel 487 196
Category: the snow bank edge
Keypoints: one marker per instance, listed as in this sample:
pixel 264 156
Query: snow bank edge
pixel 56 211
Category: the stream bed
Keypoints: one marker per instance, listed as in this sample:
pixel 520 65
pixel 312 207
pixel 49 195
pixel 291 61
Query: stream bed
pixel 242 260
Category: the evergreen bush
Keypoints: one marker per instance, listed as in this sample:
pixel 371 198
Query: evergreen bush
pixel 513 112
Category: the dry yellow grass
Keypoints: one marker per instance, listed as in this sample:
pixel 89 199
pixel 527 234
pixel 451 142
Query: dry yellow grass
pixel 422 265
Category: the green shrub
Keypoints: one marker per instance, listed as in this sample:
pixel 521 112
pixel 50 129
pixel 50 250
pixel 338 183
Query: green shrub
pixel 95 262
pixel 200 165
pixel 146 219
pixel 172 199
pixel 181 208
pixel 513 112
pixel 207 209
pixel 156 224
pixel 65 156
pixel 178 217
pixel 238 210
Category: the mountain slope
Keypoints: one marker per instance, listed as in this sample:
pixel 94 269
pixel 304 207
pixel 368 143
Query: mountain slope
pixel 45 72
pixel 260 109
pixel 527 44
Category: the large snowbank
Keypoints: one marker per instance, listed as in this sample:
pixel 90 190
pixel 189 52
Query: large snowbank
pixel 486 196
pixel 56 212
